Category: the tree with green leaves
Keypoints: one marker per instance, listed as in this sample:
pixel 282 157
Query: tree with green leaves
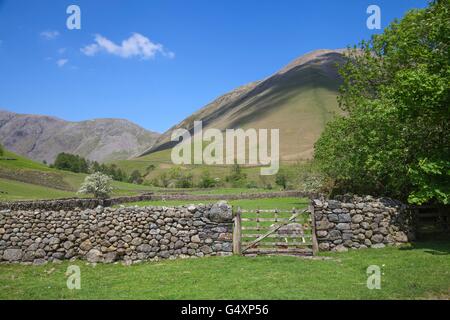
pixel 71 162
pixel 163 180
pixel 179 178
pixel 282 178
pixel 237 178
pixel 394 137
pixel 2 151
pixel 206 181
pixel 98 184
pixel 136 177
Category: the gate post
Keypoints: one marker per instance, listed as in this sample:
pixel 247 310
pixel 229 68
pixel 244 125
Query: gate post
pixel 237 232
pixel 315 245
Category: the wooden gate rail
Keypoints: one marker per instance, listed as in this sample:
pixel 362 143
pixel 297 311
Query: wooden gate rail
pixel 270 240
pixel 274 229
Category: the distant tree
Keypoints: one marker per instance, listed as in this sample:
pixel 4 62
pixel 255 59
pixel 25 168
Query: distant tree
pixel 98 184
pixel 135 177
pixel 94 167
pixel 163 180
pixel 186 180
pixel 251 185
pixel 111 170
pixel 120 175
pixel 282 178
pixel 71 162
pixel 180 179
pixel 2 151
pixel 237 177
pixel 206 181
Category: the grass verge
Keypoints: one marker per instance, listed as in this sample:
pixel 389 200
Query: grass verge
pixel 419 271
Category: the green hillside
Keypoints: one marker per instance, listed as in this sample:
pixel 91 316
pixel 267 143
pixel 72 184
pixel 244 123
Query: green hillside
pixel 162 164
pixel 298 100
pixel 16 190
pixel 21 178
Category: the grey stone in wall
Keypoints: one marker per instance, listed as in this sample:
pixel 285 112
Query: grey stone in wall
pixel 110 234
pixel 361 222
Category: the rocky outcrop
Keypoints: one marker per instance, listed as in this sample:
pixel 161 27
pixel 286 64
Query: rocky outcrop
pixel 106 234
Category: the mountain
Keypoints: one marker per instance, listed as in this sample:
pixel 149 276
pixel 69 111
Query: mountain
pixel 299 100
pixel 43 138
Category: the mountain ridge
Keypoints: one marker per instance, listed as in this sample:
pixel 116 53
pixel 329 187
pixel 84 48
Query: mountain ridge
pixel 305 88
pixel 42 137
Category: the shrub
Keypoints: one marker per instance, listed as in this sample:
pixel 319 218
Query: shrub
pixel 206 181
pixel 281 178
pixel 98 184
pixel 162 180
pixel 180 179
pixel 252 185
pixel 185 181
pixel 309 178
pixel 136 177
pixel 268 186
pixel 236 178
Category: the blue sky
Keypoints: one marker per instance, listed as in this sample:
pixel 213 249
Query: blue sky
pixel 191 51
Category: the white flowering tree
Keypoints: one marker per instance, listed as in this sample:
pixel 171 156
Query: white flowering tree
pixel 98 184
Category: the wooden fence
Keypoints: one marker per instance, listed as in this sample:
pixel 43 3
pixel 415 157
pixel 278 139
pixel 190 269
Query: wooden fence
pixel 431 222
pixel 258 232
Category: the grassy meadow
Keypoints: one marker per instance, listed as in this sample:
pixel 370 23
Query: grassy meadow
pixel 22 179
pixel 16 190
pixel 287 203
pixel 418 271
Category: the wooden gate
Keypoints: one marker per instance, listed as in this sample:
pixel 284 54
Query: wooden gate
pixel 431 222
pixel 259 232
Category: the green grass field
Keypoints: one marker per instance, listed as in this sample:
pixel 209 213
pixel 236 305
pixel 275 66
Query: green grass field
pixel 287 203
pixel 420 271
pixel 17 190
pixel 230 191
pixel 22 179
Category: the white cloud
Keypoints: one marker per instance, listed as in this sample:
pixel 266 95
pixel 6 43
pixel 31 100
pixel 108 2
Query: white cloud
pixel 49 34
pixel 136 45
pixel 61 50
pixel 61 62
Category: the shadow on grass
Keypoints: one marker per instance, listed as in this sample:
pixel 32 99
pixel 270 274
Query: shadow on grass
pixel 440 248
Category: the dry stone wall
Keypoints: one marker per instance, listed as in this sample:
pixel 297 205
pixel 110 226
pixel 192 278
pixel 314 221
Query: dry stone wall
pixel 361 222
pixel 103 234
pixel 91 203
pixel 71 203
